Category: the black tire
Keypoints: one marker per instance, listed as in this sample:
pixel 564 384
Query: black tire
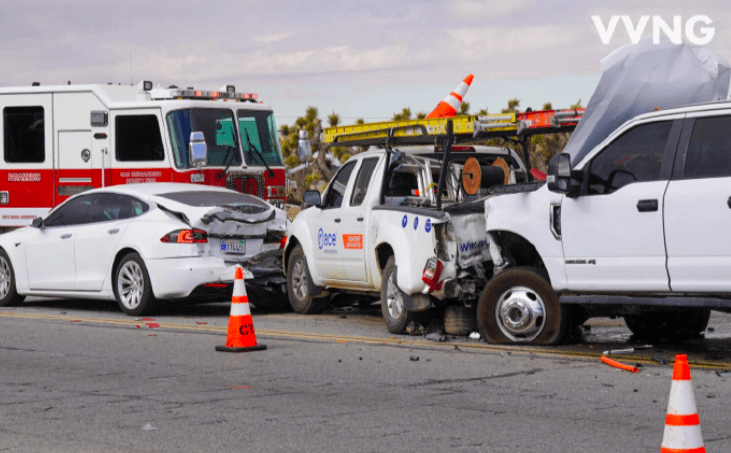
pixel 518 306
pixel 268 299
pixel 459 320
pixel 671 325
pixel 299 285
pixel 9 297
pixel 392 302
pixel 132 287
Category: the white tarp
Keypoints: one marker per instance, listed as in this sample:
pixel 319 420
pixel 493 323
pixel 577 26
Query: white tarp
pixel 638 78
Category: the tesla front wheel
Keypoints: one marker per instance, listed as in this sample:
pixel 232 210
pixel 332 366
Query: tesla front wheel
pixel 132 287
pixel 9 297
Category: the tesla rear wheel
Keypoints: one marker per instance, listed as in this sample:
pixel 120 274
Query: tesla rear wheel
pixel 8 295
pixel 132 287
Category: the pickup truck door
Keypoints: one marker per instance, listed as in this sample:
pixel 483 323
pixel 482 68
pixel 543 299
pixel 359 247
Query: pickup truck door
pixel 355 218
pixel 612 234
pixel 698 206
pixel 326 227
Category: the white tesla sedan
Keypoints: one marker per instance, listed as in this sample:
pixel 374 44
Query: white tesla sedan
pixel 140 243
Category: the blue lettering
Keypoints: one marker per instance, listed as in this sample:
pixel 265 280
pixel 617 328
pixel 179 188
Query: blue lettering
pixel 326 239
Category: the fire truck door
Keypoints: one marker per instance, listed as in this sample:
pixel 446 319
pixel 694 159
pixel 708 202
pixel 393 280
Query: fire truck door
pixel 74 162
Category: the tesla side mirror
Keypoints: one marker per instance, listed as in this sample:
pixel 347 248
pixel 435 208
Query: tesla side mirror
pixel 197 150
pixel 311 198
pixel 37 222
pixel 559 173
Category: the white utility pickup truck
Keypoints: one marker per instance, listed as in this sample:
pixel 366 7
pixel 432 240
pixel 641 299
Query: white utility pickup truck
pixel 637 228
pixel 396 224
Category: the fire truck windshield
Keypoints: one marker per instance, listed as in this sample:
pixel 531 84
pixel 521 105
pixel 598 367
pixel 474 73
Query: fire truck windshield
pixel 259 138
pixel 218 130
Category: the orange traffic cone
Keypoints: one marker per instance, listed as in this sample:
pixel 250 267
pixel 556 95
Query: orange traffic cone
pixel 449 106
pixel 682 426
pixel 240 336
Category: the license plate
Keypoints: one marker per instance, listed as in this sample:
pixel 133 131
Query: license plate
pixel 234 246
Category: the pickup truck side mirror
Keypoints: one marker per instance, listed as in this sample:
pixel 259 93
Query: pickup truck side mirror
pixel 37 222
pixel 311 198
pixel 559 173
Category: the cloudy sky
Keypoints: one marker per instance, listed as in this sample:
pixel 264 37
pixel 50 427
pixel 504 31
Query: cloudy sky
pixel 357 58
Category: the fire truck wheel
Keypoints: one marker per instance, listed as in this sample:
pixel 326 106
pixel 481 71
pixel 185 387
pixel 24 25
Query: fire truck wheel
pixel 519 306
pixel 132 286
pixel 299 285
pixel 392 301
pixel 8 295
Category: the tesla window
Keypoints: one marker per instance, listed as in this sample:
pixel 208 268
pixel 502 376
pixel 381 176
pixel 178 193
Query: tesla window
pixel 71 213
pixel 112 206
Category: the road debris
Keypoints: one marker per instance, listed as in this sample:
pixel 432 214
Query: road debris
pixel 414 358
pixel 148 427
pixel 619 365
pixel 414 328
pixel 723 374
pixel 619 351
pixel 475 336
pixel 436 337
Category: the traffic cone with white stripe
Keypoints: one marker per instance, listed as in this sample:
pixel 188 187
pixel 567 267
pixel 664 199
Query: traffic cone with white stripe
pixel 240 336
pixel 449 106
pixel 682 425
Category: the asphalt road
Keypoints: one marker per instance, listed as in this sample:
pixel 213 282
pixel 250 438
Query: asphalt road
pixel 80 376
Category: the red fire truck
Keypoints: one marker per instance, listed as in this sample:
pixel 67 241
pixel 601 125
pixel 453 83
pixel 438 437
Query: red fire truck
pixel 61 140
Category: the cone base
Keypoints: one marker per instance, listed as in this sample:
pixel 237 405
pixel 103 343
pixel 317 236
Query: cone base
pixel 259 347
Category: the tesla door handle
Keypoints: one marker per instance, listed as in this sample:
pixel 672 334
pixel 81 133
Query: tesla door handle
pixel 647 205
pixel 337 220
pixel 66 236
pixel 113 231
pixel 359 219
pixel 729 202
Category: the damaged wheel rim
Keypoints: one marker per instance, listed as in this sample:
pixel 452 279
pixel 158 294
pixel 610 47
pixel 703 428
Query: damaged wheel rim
pixel 520 314
pixel 130 285
pixel 4 278
pixel 299 280
pixel 394 301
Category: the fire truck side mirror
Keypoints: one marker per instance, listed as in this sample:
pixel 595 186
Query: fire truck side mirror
pixel 197 149
pixel 37 222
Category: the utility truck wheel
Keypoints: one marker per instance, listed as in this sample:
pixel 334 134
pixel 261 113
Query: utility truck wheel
pixel 132 287
pixel 672 325
pixel 459 320
pixel 8 295
pixel 392 301
pixel 299 285
pixel 519 306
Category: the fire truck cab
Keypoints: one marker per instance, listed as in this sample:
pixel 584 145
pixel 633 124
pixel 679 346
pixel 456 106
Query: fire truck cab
pixel 61 140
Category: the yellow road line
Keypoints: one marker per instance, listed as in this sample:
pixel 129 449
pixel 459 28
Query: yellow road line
pixel 393 341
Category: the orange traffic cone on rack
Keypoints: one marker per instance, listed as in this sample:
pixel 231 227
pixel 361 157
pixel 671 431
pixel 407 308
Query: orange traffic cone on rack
pixel 682 425
pixel 240 336
pixel 449 106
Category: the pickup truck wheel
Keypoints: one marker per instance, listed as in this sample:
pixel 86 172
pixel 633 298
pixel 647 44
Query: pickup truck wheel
pixel 392 301
pixel 459 320
pixel 298 285
pixel 519 306
pixel 9 297
pixel 672 325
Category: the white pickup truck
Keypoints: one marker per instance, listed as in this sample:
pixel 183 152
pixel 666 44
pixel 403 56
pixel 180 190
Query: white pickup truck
pixel 380 229
pixel 637 228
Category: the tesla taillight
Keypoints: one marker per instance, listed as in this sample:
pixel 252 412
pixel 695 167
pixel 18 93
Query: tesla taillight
pixel 185 237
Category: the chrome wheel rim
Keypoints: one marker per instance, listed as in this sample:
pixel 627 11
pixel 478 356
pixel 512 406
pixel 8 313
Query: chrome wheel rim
pixel 299 279
pixel 5 278
pixel 394 301
pixel 130 284
pixel 520 314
